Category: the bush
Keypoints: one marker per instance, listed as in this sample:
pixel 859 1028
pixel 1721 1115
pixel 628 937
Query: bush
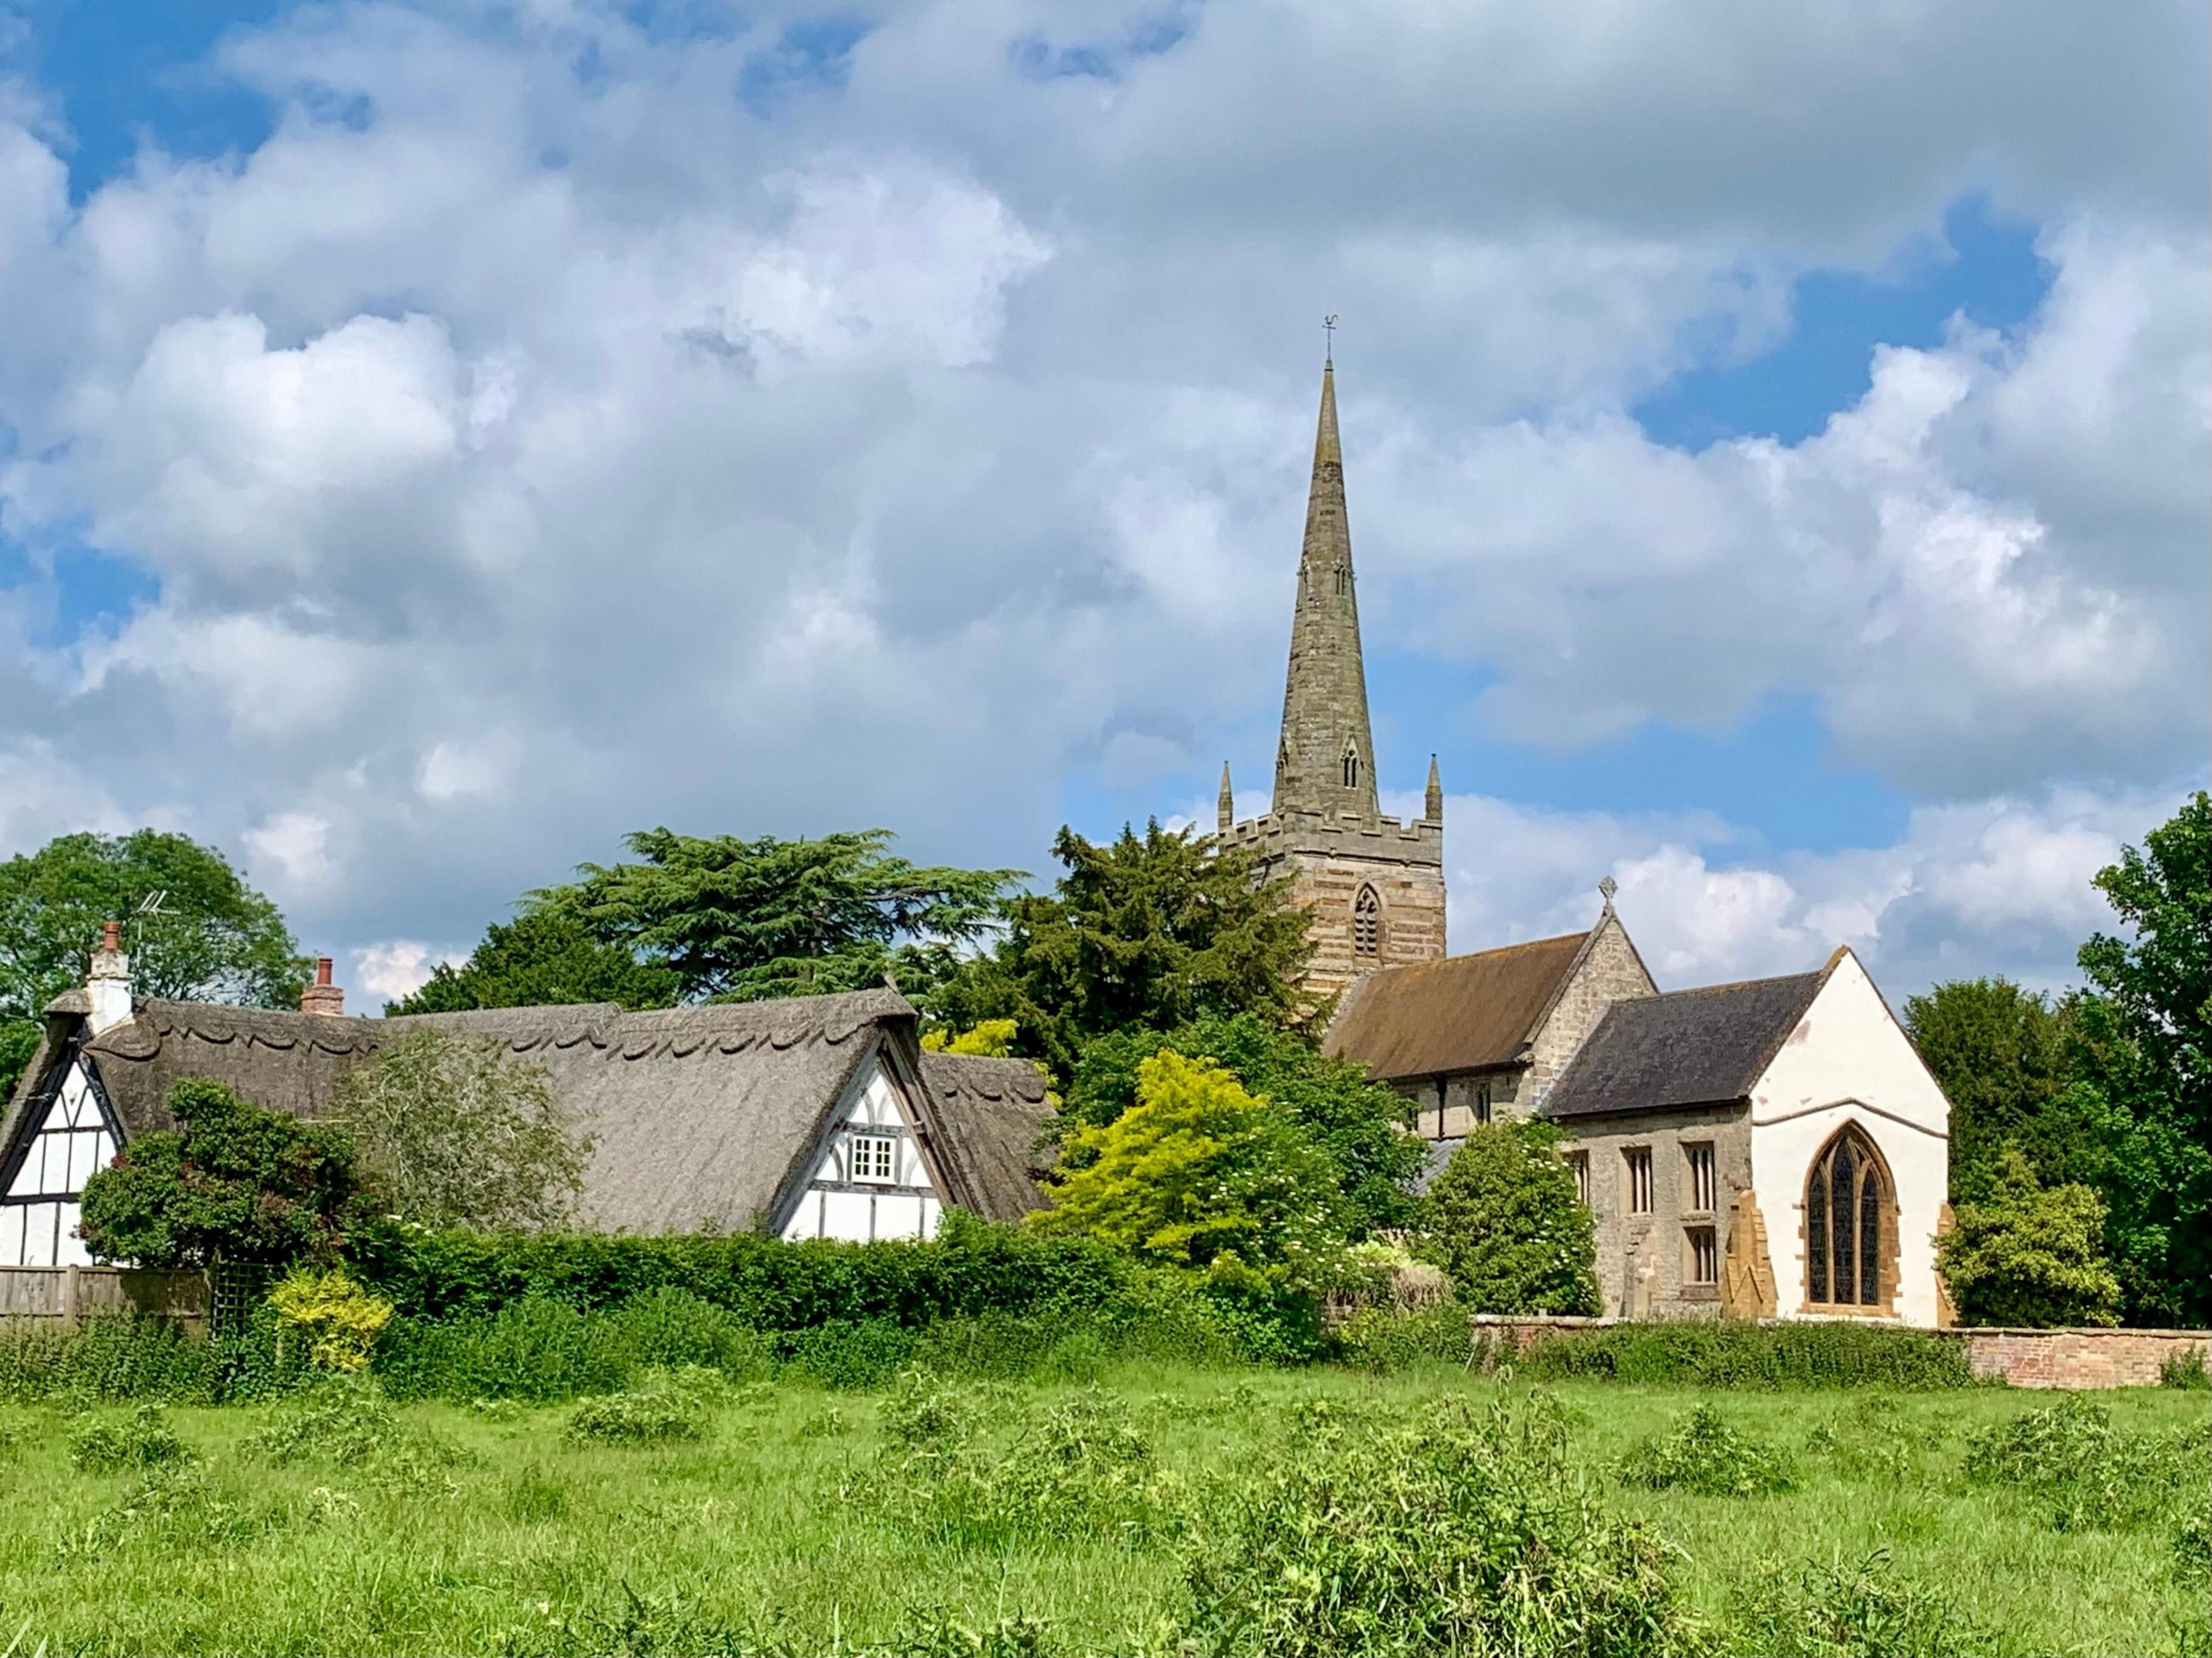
pixel 1851 1611
pixel 143 1439
pixel 2184 1370
pixel 2031 1254
pixel 339 1319
pixel 1705 1456
pixel 1384 1340
pixel 2093 1476
pixel 662 1410
pixel 1470 1531
pixel 546 1351
pixel 971 1267
pixel 849 1353
pixel 1504 1223
pixel 1744 1355
pixel 106 1359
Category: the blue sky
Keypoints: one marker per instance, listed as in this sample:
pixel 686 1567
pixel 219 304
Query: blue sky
pixel 433 440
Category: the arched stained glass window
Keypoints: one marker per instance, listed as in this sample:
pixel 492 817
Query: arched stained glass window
pixel 1366 922
pixel 1845 1197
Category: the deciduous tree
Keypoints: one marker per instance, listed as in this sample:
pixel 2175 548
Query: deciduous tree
pixel 2029 1254
pixel 452 1131
pixel 1506 1225
pixel 2004 1057
pixel 233 1183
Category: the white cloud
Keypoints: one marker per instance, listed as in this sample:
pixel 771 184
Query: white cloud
pixel 1994 885
pixel 395 969
pixel 527 454
pixel 293 850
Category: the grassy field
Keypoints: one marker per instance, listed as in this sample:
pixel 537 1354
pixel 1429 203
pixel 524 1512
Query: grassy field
pixel 927 1518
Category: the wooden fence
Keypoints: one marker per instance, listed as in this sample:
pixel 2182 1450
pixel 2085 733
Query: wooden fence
pixel 69 1293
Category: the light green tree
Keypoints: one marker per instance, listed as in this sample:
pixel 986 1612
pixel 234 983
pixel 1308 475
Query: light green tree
pixel 1199 1173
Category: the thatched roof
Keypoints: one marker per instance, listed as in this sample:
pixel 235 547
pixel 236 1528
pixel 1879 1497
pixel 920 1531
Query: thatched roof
pixel 1706 1046
pixel 700 1116
pixel 984 1119
pixel 1463 1013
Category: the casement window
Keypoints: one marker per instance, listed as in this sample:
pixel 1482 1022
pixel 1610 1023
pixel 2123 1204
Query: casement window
pixel 874 1158
pixel 1700 1159
pixel 1366 922
pixel 1578 1166
pixel 1638 1160
pixel 1705 1255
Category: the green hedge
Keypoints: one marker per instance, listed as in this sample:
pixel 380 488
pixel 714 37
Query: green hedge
pixel 1733 1355
pixel 970 1268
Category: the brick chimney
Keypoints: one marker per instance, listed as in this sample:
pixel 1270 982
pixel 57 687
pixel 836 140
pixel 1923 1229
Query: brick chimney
pixel 323 997
pixel 107 986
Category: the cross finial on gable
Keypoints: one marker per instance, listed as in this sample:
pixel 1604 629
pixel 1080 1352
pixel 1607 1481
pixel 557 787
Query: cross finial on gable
pixel 1607 888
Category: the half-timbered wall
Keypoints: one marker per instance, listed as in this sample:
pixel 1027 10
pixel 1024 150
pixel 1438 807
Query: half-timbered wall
pixel 869 1181
pixel 68 1142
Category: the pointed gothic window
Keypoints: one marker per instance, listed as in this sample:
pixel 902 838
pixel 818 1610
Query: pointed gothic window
pixel 1366 922
pixel 1845 1200
pixel 1351 767
pixel 1343 578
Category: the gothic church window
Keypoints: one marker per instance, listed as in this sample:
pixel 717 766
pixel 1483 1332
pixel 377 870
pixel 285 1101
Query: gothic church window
pixel 1366 922
pixel 1351 767
pixel 1844 1197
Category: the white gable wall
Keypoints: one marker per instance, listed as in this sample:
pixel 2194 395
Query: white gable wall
pixel 849 1193
pixel 1848 1062
pixel 39 1211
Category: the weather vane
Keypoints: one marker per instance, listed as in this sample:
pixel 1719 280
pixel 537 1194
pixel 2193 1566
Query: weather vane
pixel 1328 334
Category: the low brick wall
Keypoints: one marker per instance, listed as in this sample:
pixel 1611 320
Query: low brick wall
pixel 2074 1359
pixel 2084 1357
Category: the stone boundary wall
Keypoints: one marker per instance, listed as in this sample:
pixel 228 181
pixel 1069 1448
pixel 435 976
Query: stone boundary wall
pixel 2079 1358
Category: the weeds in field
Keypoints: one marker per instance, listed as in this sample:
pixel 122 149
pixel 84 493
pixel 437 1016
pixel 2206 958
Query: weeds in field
pixel 142 1439
pixel 1469 1532
pixel 668 1406
pixel 2094 1476
pixel 939 1633
pixel 1851 1610
pixel 652 1625
pixel 176 1506
pixel 1704 1455
pixel 2186 1369
pixel 348 1423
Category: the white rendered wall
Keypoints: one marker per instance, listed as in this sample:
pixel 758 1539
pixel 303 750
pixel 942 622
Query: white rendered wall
pixel 1847 1062
pixel 836 1205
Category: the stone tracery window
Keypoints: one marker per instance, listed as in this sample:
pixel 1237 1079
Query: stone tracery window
pixel 1846 1197
pixel 1351 767
pixel 1366 922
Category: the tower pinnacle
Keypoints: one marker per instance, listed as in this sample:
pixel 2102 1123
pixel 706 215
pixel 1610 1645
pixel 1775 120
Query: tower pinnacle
pixel 1325 762
pixel 1434 808
pixel 1226 807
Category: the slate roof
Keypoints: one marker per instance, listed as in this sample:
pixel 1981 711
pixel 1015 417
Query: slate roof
pixel 699 1115
pixel 984 1119
pixel 1463 1013
pixel 1702 1046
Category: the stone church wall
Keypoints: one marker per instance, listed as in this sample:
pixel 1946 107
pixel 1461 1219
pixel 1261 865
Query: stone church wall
pixel 1610 973
pixel 1329 863
pixel 1643 1260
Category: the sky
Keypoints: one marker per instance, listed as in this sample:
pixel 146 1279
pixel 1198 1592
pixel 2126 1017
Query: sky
pixel 437 438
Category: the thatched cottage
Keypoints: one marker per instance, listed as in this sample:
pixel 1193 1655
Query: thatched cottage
pixel 813 1117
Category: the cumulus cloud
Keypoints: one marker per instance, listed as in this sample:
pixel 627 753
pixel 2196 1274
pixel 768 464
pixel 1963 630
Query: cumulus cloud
pixel 1968 887
pixel 393 970
pixel 559 424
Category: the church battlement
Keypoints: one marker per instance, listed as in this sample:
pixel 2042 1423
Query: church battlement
pixel 1408 841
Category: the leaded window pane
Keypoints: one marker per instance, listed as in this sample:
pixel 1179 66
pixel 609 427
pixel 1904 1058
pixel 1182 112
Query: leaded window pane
pixel 1870 1240
pixel 1844 1256
pixel 1816 1237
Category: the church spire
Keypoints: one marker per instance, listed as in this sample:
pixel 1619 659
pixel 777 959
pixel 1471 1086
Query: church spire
pixel 1325 762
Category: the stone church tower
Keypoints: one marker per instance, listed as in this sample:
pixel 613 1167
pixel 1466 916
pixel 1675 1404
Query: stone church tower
pixel 1375 885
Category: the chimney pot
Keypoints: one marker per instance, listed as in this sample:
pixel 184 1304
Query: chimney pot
pixel 322 996
pixel 111 935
